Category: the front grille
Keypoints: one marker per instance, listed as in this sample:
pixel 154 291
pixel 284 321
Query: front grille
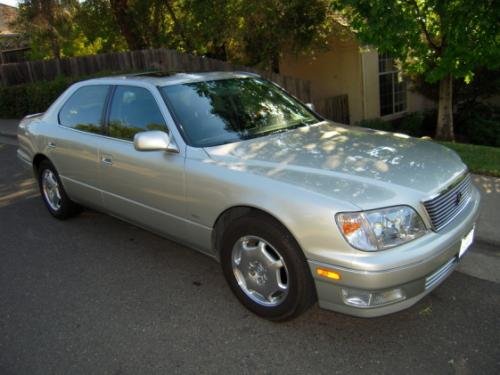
pixel 443 208
pixel 440 274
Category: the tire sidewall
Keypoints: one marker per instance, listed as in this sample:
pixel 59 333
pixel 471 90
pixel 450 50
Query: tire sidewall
pixel 292 255
pixel 66 205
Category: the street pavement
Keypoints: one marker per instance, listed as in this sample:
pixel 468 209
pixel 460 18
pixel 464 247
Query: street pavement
pixel 96 295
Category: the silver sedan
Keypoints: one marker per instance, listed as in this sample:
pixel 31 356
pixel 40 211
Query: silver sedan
pixel 296 209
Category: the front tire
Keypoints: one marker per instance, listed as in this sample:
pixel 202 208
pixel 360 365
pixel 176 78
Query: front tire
pixel 55 198
pixel 265 268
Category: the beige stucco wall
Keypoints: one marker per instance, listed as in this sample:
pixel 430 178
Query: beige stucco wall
pixel 371 97
pixel 417 102
pixel 334 72
pixel 347 68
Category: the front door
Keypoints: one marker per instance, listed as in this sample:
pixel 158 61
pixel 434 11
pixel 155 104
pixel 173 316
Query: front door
pixel 146 188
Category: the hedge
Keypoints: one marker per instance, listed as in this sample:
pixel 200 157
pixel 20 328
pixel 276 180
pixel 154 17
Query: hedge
pixel 479 125
pixel 21 100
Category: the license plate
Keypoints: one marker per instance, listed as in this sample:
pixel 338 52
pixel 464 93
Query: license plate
pixel 466 242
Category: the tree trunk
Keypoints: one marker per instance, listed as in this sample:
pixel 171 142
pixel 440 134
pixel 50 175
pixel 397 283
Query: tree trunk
pixel 179 29
pixel 275 63
pixel 127 25
pixel 55 48
pixel 444 129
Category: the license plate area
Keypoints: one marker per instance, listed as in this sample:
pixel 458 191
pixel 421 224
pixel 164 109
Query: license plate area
pixel 466 243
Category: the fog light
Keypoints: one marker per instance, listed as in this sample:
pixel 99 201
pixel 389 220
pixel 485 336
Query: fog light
pixel 364 298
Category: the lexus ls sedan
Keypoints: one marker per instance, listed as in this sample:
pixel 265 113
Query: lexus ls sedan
pixel 296 209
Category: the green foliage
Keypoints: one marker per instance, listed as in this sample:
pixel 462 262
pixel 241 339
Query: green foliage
pixel 21 100
pixel 412 124
pixel 377 124
pixel 97 23
pixel 436 39
pixel 54 28
pixel 243 32
pixel 270 27
pixel 479 159
pixel 481 125
pixel 433 38
pixel 485 85
pixel 417 124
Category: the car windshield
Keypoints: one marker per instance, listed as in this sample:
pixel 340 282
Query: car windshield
pixel 216 112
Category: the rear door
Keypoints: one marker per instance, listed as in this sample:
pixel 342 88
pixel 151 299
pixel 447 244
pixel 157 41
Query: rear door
pixel 74 147
pixel 146 188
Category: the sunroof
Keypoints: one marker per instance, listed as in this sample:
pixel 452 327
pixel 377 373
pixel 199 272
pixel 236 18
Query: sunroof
pixel 157 74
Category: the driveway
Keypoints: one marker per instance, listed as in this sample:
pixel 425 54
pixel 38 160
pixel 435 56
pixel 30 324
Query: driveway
pixel 97 295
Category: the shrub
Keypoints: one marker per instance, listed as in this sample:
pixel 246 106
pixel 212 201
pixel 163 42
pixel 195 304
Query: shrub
pixel 21 100
pixel 480 125
pixel 412 124
pixel 418 124
pixel 377 124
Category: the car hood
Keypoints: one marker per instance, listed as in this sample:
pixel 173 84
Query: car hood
pixel 347 162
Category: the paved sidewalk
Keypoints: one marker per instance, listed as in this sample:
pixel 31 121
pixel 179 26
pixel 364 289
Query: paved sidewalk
pixel 8 127
pixel 487 228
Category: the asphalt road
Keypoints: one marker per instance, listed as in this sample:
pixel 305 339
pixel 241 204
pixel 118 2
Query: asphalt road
pixel 97 295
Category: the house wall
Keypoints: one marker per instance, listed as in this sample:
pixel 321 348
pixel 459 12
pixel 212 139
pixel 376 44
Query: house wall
pixel 371 97
pixel 347 68
pixel 333 72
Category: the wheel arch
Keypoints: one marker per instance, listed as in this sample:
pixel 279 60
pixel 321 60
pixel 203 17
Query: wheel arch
pixel 235 212
pixel 37 160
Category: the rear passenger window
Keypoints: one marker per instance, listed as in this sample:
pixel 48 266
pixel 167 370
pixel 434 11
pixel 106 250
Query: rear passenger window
pixel 83 110
pixel 133 110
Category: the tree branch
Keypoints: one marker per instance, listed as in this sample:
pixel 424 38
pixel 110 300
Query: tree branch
pixel 178 27
pixel 424 26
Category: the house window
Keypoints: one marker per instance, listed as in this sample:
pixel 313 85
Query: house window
pixel 392 86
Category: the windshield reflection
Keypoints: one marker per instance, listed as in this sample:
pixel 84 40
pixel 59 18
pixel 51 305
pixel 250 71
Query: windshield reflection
pixel 216 112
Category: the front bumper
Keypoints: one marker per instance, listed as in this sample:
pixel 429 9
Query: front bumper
pixel 416 278
pixel 24 158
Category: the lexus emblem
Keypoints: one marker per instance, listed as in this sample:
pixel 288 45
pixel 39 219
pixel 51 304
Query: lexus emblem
pixel 458 198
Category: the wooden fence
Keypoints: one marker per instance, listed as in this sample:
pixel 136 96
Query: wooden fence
pixel 136 61
pixel 335 108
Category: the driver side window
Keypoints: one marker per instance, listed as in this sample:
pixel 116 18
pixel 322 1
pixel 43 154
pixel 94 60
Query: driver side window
pixel 133 110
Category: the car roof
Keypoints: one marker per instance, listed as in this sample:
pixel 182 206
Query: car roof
pixel 159 78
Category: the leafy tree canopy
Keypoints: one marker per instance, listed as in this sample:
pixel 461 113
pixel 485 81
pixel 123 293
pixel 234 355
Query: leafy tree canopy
pixel 436 39
pixel 430 37
pixel 243 32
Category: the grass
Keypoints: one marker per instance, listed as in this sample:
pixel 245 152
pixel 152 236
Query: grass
pixel 480 159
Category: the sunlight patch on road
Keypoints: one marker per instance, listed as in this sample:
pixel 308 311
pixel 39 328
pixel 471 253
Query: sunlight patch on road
pixel 22 190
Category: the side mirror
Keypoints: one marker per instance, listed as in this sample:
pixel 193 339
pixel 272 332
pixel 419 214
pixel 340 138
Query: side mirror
pixel 154 140
pixel 310 106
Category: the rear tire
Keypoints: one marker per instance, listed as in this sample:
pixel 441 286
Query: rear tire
pixel 55 198
pixel 265 268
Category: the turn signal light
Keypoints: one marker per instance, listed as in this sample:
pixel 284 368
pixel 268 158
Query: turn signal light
pixel 329 274
pixel 349 227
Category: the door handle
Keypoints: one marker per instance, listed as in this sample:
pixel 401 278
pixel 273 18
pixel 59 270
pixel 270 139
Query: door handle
pixel 107 160
pixel 51 144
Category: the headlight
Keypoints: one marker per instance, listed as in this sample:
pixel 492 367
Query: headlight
pixel 381 229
